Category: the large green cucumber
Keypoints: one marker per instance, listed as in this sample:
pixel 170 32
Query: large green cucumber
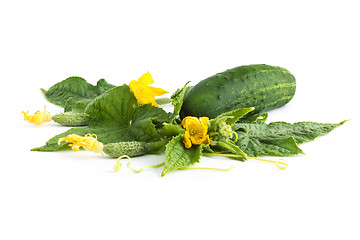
pixel 261 86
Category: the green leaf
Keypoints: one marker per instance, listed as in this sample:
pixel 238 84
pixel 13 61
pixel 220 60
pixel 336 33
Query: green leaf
pixel 230 118
pixel 117 116
pixel 177 100
pixel 102 86
pixel 117 105
pixel 142 126
pixel 75 93
pixel 254 147
pixel 177 156
pixel 278 138
pixel 261 117
pixel 76 105
pixel 171 130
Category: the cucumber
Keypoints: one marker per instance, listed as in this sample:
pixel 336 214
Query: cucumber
pixel 72 119
pixel 261 86
pixel 133 148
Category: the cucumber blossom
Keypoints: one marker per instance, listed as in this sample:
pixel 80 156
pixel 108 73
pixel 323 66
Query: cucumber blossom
pixel 261 86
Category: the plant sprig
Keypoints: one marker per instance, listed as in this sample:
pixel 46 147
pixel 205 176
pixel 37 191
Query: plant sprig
pixel 118 120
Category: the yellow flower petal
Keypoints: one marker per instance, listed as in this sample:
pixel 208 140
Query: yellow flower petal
pixel 187 140
pixel 196 131
pixel 89 142
pixel 189 122
pixel 204 121
pixel 38 118
pixel 156 91
pixel 197 140
pixel 75 147
pixel 143 93
pixel 146 79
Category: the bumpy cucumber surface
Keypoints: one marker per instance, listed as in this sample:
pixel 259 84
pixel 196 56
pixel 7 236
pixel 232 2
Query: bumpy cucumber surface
pixel 133 148
pixel 261 86
pixel 72 119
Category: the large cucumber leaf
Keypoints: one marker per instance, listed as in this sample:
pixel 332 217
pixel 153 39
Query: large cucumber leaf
pixel 116 116
pixel 278 138
pixel 74 93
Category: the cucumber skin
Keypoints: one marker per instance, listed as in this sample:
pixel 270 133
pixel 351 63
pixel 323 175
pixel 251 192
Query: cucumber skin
pixel 261 86
pixel 133 148
pixel 72 119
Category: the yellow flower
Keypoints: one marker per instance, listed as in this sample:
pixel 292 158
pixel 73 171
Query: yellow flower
pixel 38 118
pixel 89 142
pixel 196 131
pixel 143 93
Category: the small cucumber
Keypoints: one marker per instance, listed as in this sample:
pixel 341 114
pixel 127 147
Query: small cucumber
pixel 72 119
pixel 133 148
pixel 261 86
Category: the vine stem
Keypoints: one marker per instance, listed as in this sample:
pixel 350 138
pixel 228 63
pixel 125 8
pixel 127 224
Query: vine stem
pixel 120 159
pixel 146 167
pixel 119 162
pixel 281 164
pixel 208 168
pixel 224 155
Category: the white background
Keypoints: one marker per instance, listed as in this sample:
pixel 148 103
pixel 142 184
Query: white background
pixel 66 195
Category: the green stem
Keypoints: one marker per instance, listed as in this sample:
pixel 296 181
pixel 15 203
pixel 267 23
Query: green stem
pixel 208 168
pixel 224 155
pixel 158 144
pixel 163 101
pixel 281 164
pixel 146 167
pixel 231 147
pixel 119 162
